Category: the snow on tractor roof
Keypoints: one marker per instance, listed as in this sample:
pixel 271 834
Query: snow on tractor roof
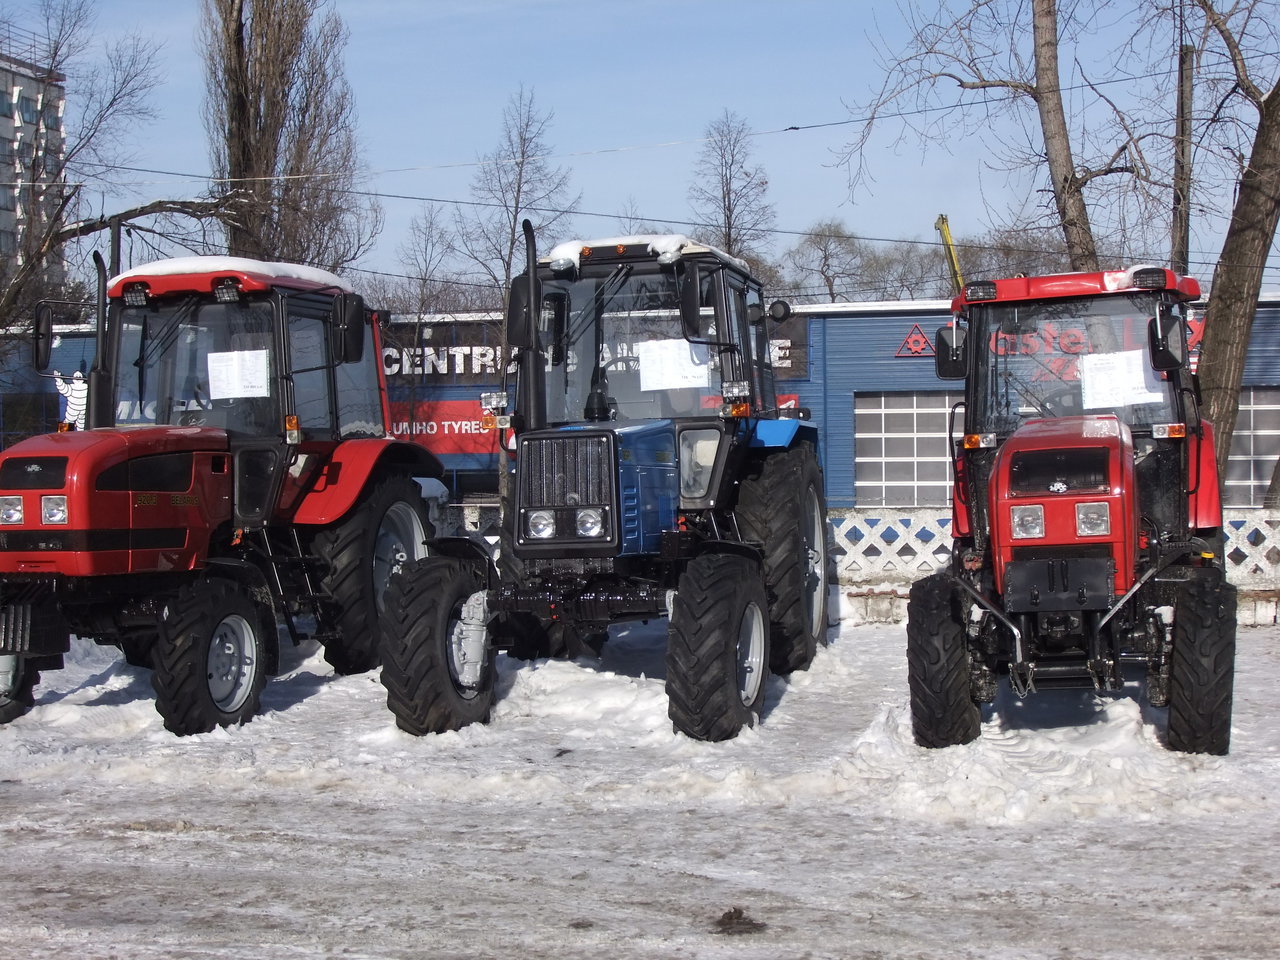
pixel 178 266
pixel 658 244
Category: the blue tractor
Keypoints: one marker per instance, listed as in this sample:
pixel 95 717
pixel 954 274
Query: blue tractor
pixel 653 475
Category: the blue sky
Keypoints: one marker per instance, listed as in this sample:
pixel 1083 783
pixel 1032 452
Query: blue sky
pixel 632 87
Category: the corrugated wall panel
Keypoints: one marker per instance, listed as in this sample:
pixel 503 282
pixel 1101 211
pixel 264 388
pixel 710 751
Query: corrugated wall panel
pixel 1262 363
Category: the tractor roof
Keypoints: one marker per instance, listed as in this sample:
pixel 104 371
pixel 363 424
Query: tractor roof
pixel 199 273
pixel 655 244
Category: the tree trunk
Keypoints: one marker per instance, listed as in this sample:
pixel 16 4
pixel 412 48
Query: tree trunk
pixel 1271 499
pixel 1237 280
pixel 1068 192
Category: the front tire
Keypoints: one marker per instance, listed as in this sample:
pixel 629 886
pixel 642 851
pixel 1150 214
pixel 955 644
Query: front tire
pixel 943 713
pixel 211 657
pixel 717 648
pixel 422 634
pixel 1202 667
pixel 18 679
pixel 784 509
pixel 362 552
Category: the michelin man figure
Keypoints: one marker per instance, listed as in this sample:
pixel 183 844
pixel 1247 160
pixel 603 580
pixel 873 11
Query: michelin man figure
pixel 75 390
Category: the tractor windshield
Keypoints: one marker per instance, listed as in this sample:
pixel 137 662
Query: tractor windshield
pixel 1045 359
pixel 614 349
pixel 193 362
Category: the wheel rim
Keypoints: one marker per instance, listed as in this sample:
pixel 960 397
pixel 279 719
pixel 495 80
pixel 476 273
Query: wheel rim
pixel 11 676
pixel 457 643
pixel 815 575
pixel 750 654
pixel 400 538
pixel 232 663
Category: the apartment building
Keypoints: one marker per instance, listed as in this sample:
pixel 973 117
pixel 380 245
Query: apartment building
pixel 32 100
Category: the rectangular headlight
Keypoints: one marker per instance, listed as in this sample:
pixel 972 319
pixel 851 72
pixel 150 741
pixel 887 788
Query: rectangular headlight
pixel 53 509
pixel 590 522
pixel 1027 521
pixel 10 509
pixel 1093 519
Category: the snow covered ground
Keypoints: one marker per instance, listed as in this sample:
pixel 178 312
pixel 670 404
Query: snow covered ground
pixel 577 825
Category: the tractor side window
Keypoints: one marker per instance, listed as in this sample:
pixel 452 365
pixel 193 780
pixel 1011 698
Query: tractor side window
pixel 359 394
pixel 735 333
pixel 309 366
pixel 762 362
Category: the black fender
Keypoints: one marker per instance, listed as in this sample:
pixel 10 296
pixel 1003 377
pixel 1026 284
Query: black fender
pixel 472 549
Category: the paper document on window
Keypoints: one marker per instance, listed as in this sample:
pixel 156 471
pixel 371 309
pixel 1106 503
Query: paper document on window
pixel 1118 380
pixel 673 364
pixel 239 373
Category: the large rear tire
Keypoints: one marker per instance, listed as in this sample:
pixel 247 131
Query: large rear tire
pixel 211 656
pixel 1202 667
pixel 943 713
pixel 717 648
pixel 784 509
pixel 422 648
pixel 362 552
pixel 17 685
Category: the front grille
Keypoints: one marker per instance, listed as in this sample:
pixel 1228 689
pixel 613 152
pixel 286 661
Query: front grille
pixel 1059 471
pixel 565 471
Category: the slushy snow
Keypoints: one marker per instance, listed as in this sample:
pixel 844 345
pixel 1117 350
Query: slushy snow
pixel 578 825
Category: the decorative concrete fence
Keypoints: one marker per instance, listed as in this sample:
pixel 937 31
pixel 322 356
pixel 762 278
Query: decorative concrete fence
pixel 878 553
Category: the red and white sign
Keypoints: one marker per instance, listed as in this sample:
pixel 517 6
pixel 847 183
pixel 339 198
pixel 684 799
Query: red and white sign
pixel 443 426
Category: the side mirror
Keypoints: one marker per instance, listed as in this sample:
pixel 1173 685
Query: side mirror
pixel 42 336
pixel 521 320
pixel 779 310
pixel 948 349
pixel 346 319
pixel 1167 339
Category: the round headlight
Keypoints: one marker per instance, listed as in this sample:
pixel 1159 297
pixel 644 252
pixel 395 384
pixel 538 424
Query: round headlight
pixel 541 524
pixel 590 522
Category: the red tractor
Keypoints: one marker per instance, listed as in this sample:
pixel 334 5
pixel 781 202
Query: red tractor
pixel 235 473
pixel 1087 515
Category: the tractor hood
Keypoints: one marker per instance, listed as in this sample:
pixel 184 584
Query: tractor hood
pixel 1065 486
pixel 104 501
pixel 86 453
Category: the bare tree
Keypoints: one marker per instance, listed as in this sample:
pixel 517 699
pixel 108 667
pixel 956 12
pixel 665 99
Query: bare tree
pixel 830 263
pixel 1247 118
pixel 631 223
pixel 1010 251
pixel 1002 57
pixel 1100 160
pixel 62 155
pixel 728 193
pixel 515 180
pixel 433 281
pixel 281 123
pixel 825 264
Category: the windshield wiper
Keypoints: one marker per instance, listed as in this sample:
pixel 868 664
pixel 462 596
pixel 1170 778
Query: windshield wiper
pixel 603 297
pixel 149 350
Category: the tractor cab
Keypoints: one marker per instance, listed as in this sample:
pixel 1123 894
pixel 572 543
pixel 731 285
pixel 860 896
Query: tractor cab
pixel 265 365
pixel 645 328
